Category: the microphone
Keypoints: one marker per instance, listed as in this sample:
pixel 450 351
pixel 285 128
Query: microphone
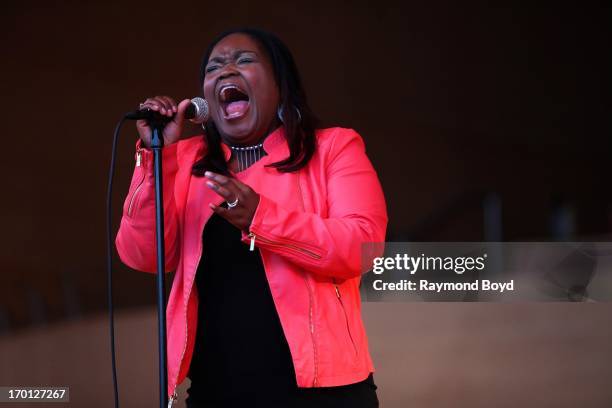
pixel 196 112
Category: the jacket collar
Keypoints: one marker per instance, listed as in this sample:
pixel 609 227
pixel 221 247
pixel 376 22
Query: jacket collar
pixel 275 145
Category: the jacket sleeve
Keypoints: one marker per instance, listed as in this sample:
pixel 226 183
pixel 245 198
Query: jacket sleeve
pixel 136 237
pixel 330 246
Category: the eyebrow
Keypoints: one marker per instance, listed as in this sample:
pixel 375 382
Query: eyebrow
pixel 236 54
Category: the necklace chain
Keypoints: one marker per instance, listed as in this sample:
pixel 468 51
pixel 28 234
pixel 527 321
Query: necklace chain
pixel 257 146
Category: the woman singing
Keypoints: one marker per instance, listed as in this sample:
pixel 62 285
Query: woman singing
pixel 265 216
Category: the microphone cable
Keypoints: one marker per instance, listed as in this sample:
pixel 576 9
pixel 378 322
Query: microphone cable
pixel 109 257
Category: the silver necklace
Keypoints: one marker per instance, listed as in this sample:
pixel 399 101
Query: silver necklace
pixel 247 155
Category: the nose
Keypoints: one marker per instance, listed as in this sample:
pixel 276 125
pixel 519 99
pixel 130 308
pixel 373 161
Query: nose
pixel 228 71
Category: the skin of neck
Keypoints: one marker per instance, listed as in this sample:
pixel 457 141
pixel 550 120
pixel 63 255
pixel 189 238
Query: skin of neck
pixel 253 139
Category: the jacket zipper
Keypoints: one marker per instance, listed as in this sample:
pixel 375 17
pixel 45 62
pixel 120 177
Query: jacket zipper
pixel 348 328
pixel 172 399
pixel 174 396
pixel 310 319
pixel 294 247
pixel 315 381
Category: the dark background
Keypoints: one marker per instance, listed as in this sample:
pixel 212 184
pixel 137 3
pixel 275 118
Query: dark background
pixel 482 122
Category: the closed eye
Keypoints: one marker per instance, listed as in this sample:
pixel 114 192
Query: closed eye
pixel 211 68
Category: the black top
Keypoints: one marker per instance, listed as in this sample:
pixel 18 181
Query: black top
pixel 240 345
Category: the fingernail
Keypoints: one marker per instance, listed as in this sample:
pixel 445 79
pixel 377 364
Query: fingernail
pixel 210 184
pixel 211 205
pixel 175 108
pixel 207 174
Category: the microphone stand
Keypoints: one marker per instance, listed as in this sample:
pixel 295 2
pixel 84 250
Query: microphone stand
pixel 157 143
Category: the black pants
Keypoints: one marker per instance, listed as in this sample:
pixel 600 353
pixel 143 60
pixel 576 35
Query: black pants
pixel 358 395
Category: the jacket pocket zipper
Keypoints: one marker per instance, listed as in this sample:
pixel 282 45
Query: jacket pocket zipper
pixel 133 198
pixel 140 183
pixel 348 327
pixel 279 244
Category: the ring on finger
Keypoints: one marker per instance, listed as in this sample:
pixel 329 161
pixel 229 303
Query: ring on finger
pixel 233 203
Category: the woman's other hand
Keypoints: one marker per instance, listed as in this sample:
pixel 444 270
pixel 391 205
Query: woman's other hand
pixel 231 190
pixel 166 106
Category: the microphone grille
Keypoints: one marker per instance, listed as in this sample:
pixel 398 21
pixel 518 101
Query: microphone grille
pixel 201 107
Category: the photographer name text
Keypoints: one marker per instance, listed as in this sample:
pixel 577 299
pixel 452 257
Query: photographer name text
pixel 428 286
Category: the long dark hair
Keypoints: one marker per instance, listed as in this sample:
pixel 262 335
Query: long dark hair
pixel 298 120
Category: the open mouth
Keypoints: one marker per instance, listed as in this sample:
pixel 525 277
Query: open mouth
pixel 234 101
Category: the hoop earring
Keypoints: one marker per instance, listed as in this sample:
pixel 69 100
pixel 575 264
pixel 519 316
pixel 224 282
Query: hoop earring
pixel 279 113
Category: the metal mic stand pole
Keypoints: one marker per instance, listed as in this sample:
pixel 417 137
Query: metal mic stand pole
pixel 157 143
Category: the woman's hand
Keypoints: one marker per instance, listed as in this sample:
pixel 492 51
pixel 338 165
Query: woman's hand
pixel 166 106
pixel 231 189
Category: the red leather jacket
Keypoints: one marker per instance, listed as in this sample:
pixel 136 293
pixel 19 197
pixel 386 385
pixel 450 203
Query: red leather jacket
pixel 309 227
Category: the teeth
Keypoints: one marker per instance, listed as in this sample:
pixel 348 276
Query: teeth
pixel 225 88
